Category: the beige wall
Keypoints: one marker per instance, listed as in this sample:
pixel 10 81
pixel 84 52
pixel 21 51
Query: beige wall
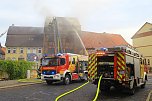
pixel 16 55
pixel 142 41
pixel 144 46
pixel 10 56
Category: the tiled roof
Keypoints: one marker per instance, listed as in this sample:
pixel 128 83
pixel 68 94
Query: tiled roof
pixel 97 40
pixel 33 37
pixel 24 36
pixel 20 30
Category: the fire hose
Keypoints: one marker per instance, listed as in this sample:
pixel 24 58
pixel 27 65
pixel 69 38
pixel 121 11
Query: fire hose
pixel 98 89
pixel 97 92
pixel 70 91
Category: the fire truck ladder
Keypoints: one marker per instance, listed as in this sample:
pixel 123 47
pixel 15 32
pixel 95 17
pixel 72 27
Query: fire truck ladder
pixel 57 38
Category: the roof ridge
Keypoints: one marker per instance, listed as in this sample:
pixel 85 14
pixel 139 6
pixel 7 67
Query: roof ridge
pixel 140 29
pixel 100 32
pixel 26 26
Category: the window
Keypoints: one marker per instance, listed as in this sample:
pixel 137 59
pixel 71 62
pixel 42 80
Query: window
pixel 148 62
pixel 73 62
pixel 140 60
pixel 28 50
pixel 62 61
pixel 145 61
pixel 21 50
pixel 9 50
pixel 50 62
pixel 14 50
pixel 34 50
pixel 39 50
pixel 20 58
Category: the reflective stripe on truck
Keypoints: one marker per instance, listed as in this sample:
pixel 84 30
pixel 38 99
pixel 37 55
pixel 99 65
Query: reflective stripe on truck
pixel 92 68
pixel 120 66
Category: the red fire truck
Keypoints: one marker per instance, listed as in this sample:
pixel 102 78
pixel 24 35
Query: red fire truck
pixel 64 67
pixel 121 67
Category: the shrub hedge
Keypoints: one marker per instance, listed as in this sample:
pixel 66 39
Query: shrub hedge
pixel 15 69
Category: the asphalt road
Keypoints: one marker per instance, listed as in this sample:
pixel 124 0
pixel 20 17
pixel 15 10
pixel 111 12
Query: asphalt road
pixel 43 92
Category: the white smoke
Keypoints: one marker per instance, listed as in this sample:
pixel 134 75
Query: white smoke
pixel 81 9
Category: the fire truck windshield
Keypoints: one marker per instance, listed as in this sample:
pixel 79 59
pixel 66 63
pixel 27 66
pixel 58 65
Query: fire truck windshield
pixel 50 62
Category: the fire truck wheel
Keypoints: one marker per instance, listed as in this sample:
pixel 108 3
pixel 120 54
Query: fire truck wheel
pixel 85 78
pixel 49 82
pixel 143 85
pixel 132 91
pixel 67 79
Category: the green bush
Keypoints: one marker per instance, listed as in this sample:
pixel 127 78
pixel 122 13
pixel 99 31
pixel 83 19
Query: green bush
pixel 15 69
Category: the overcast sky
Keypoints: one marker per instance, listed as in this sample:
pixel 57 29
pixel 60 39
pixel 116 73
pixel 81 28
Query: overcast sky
pixel 123 17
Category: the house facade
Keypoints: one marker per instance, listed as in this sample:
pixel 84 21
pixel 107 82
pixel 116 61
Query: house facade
pixel 142 41
pixel 23 53
pixel 24 43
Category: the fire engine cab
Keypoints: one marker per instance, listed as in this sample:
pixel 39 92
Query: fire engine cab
pixel 64 67
pixel 121 67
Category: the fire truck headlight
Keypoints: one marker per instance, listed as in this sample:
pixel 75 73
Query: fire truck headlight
pixel 43 72
pixel 53 73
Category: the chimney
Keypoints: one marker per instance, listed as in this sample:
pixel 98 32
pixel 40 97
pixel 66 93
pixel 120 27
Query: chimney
pixel 104 32
pixel 12 24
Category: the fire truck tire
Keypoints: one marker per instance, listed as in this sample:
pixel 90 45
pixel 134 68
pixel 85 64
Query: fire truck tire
pixel 132 91
pixel 67 79
pixel 49 82
pixel 85 78
pixel 143 85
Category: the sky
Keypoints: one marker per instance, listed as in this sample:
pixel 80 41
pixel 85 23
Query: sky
pixel 124 17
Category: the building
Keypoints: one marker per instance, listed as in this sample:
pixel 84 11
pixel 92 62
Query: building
pixel 24 43
pixel 2 52
pixel 72 39
pixel 62 35
pixel 59 34
pixel 142 41
pixel 93 40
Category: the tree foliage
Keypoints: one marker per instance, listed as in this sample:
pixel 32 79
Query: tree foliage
pixel 15 69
